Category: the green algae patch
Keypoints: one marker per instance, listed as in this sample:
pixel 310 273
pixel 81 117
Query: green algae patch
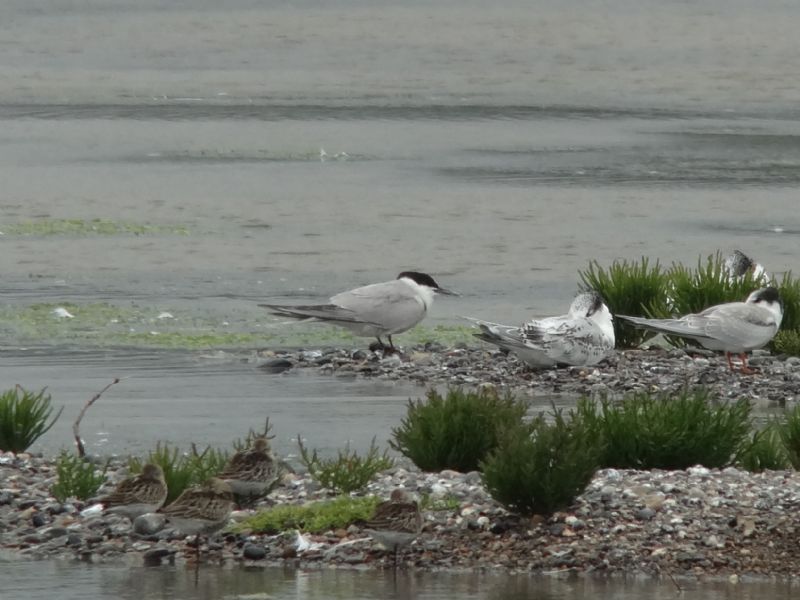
pixel 103 324
pixel 316 517
pixel 80 227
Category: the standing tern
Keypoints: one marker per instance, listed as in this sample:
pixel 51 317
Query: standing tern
pixel 584 336
pixel 374 310
pixel 734 328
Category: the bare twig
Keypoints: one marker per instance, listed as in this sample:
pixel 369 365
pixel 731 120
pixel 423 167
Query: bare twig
pixel 679 589
pixel 77 424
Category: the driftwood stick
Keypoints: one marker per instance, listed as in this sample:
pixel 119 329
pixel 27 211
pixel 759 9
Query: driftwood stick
pixel 77 424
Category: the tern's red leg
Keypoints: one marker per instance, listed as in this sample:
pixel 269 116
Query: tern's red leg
pixel 728 356
pixel 745 369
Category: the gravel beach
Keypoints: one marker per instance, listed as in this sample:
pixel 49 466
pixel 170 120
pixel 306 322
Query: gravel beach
pixel 653 369
pixel 698 522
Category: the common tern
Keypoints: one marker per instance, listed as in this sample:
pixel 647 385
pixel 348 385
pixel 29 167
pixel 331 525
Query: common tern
pixel 739 264
pixel 374 310
pixel 583 336
pixel 734 328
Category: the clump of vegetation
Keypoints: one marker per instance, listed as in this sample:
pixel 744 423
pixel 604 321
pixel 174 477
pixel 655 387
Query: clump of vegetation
pixel 541 467
pixel 629 288
pixel 24 417
pixel 787 342
pixel 77 478
pixel 789 432
pixel 765 451
pixel 348 472
pixel 789 290
pixel 316 517
pixel 667 431
pixel 693 290
pixel 182 470
pixel 456 431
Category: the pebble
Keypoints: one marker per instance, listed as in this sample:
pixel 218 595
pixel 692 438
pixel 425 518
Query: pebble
pixel 254 551
pixel 149 523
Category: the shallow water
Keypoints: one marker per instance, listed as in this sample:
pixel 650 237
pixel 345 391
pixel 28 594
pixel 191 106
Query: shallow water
pixel 90 582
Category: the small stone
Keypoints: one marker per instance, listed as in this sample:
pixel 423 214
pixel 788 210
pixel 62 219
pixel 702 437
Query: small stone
pixel 153 556
pixel 149 523
pixel 54 532
pixel 254 551
pixel 74 539
pixel 276 365
pixel 38 520
pixel 645 514
pixel 6 498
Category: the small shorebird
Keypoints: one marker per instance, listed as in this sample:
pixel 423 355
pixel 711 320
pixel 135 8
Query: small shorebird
pixel 396 522
pixel 201 509
pixel 583 336
pixel 734 328
pixel 251 473
pixel 137 495
pixel 374 310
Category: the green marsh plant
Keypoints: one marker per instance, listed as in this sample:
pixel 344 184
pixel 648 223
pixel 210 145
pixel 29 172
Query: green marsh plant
pixel 77 477
pixel 456 431
pixel 347 472
pixel 636 289
pixel 667 431
pixel 182 470
pixel 24 417
pixel 541 467
pixel 316 517
pixel 789 431
pixel 693 290
pixel 765 451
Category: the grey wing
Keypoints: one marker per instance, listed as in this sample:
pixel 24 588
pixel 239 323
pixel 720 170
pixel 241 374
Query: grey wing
pixel 741 324
pixel 324 312
pixel 392 305
pixel 693 326
pixel 504 336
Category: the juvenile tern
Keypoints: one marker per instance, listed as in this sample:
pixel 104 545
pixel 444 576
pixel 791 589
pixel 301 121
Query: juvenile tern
pixel 583 336
pixel 374 310
pixel 734 328
pixel 738 264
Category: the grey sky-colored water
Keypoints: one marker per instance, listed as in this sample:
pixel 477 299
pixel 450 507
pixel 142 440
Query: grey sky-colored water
pixel 499 146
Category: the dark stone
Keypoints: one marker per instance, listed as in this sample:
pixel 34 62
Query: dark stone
pixel 254 552
pixel 54 509
pixel 645 514
pixel 359 355
pixel 6 498
pixel 276 365
pixel 152 557
pixel 74 539
pixel 33 539
pixel 94 539
pixel 55 532
pixel 38 520
pixel 557 529
pixel 26 504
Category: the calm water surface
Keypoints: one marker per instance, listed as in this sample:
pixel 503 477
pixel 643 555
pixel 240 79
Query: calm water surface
pixel 82 582
pixel 499 146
